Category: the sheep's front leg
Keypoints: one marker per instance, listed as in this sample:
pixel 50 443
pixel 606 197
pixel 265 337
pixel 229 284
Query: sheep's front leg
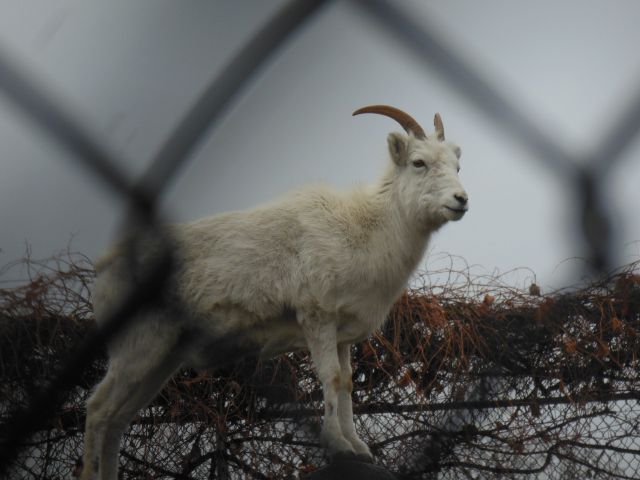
pixel 345 403
pixel 322 342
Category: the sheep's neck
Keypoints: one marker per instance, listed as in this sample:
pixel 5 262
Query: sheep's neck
pixel 400 243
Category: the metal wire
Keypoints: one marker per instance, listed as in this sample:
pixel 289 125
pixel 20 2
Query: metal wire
pixel 585 173
pixel 429 50
pixel 56 121
pixel 220 93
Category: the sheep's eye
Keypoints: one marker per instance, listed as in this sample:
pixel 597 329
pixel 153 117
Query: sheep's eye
pixel 419 163
pixel 458 169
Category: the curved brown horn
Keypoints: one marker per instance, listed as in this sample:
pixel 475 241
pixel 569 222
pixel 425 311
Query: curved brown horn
pixel 437 122
pixel 404 119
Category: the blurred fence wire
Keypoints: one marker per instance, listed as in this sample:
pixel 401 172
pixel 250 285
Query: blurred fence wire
pixel 472 378
pixel 586 175
pixel 454 387
pixel 141 196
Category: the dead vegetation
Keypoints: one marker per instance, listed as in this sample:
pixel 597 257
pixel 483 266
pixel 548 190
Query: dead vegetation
pixel 469 378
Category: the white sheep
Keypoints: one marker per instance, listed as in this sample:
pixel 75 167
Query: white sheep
pixel 317 269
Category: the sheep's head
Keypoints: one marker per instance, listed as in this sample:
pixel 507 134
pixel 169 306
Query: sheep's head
pixel 426 169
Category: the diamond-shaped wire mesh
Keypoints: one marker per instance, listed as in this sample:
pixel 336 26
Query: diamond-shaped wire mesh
pixel 498 384
pixel 465 381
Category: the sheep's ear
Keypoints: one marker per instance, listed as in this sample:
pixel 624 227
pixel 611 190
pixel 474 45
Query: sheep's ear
pixel 398 148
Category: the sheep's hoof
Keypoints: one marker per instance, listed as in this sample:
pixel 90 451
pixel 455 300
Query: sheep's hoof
pixel 362 449
pixel 350 468
pixel 347 456
pixel 364 458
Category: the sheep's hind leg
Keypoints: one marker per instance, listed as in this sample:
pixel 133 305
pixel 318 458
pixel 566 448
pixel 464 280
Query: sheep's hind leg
pixel 95 427
pixel 345 404
pixel 129 385
pixel 322 342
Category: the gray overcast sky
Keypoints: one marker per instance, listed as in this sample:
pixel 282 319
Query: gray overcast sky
pixel 130 69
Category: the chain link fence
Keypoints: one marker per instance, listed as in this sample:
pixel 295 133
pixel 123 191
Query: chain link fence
pixel 467 380
pixel 472 379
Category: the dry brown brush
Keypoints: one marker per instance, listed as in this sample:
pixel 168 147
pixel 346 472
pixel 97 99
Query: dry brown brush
pixel 470 379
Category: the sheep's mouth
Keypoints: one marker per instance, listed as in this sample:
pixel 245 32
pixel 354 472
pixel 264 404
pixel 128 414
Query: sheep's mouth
pixel 453 214
pixel 459 211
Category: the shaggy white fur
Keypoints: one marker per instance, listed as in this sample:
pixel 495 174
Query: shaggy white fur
pixel 317 269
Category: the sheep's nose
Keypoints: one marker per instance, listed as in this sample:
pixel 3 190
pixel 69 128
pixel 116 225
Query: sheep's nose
pixel 462 198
